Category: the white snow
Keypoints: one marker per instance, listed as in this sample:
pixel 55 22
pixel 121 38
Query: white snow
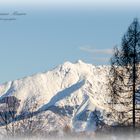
pixel 78 85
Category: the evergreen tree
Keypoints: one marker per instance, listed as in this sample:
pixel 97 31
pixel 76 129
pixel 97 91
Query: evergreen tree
pixel 125 74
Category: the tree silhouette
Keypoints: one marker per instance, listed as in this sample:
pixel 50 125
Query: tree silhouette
pixel 125 74
pixel 8 110
pixel 27 123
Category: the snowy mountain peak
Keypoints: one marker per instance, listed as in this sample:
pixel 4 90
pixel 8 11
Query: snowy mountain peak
pixel 80 62
pixel 72 91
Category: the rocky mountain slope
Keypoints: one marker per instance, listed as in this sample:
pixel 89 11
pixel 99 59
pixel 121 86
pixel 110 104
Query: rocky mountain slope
pixel 71 94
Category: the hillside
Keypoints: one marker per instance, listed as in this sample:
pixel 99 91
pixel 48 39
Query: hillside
pixel 74 95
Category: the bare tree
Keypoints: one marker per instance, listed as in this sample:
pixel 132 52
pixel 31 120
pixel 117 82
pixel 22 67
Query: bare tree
pixel 125 75
pixel 8 110
pixel 27 122
pixel 32 121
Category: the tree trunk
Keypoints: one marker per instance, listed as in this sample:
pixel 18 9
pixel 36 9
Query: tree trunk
pixel 134 81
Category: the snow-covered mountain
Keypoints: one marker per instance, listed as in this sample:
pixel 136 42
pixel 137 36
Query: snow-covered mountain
pixel 75 95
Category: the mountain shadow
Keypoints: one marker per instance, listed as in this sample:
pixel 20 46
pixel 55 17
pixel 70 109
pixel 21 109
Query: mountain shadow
pixel 49 106
pixel 61 95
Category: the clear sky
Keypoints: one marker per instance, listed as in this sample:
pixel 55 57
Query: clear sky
pixel 54 31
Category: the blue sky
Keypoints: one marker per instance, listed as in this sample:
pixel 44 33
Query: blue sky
pixel 48 36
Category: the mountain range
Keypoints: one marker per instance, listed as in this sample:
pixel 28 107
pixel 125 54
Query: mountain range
pixel 72 94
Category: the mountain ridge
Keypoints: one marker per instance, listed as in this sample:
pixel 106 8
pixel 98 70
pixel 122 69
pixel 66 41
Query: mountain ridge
pixel 73 91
